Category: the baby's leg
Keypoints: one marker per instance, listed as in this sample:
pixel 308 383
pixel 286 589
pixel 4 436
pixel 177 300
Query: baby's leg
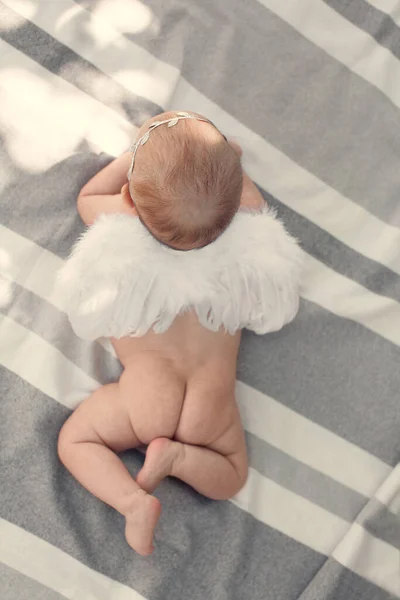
pixel 215 475
pixel 87 445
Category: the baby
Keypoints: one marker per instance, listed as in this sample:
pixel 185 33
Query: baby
pixel 176 394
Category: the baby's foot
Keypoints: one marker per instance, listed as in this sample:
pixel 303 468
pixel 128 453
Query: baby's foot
pixel 160 457
pixel 141 520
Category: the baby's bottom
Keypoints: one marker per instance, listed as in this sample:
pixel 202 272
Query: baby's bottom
pixel 101 426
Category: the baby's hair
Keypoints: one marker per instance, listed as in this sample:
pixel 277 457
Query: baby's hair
pixel 186 184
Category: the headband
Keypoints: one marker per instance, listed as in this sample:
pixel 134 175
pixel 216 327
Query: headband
pixel 171 122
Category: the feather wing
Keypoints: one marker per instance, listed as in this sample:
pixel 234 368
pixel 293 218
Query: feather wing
pixel 120 281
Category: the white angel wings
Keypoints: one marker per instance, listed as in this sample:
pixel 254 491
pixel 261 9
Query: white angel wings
pixel 120 281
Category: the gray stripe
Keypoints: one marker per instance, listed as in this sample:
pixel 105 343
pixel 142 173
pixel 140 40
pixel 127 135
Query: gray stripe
pixel 43 319
pixel 335 582
pixel 198 540
pixel 307 104
pixel 16 586
pixel 333 371
pixel 46 321
pixel 61 60
pixel 303 480
pixel 371 20
pixel 52 200
pixel 327 249
pixel 381 523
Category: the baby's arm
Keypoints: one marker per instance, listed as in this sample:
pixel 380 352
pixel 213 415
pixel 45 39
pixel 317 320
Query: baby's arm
pixel 107 191
pixel 251 196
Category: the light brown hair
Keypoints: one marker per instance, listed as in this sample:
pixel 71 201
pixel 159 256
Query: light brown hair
pixel 186 184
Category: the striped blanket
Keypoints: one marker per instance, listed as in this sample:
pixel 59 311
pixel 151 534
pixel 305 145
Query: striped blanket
pixel 311 90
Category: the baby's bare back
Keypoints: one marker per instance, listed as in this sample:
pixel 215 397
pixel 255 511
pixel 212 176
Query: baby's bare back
pixel 181 384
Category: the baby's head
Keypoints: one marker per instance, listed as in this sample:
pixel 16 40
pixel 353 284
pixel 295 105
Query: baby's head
pixel 186 183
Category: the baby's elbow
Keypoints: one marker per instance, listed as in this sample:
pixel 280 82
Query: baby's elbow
pixel 83 208
pixel 79 202
pixel 64 443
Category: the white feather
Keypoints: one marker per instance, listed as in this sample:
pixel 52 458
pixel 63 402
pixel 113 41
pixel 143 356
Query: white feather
pixel 120 281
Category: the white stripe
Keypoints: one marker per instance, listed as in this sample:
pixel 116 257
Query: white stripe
pixel 291 514
pixel 36 361
pixel 53 568
pixel 350 300
pixel 389 492
pixel 31 266
pixel 342 40
pixel 319 203
pixel 371 558
pixel 390 7
pixel 44 118
pixel 32 358
pixel 269 167
pixel 310 443
pixel 138 71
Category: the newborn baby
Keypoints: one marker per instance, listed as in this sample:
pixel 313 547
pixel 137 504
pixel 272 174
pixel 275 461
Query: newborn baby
pixel 176 394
